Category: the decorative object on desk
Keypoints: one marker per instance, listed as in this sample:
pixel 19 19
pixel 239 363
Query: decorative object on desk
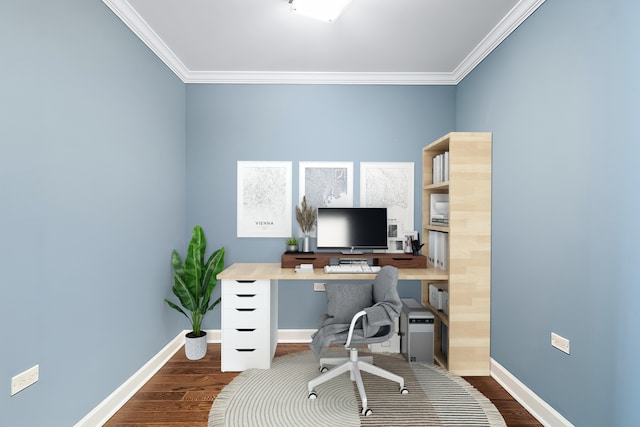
pixel 306 216
pixel 416 245
pixel 261 397
pixel 409 237
pixel 395 240
pixel 304 268
pixel 194 281
pixel 408 245
pixel 292 244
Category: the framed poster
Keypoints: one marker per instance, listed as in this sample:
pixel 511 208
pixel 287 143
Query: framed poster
pixel 264 199
pixel 390 185
pixel 326 184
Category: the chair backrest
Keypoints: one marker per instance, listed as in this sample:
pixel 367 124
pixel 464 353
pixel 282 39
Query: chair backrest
pixel 385 287
pixel 385 291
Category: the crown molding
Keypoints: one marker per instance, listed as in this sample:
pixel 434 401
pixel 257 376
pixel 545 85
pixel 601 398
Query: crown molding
pixel 141 28
pixel 287 77
pixel 516 16
pixel 127 14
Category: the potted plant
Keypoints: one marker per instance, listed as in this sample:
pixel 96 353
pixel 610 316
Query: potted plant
pixel 306 216
pixel 193 282
pixel 292 244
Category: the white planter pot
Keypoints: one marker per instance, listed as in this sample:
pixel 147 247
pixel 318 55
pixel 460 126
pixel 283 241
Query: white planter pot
pixel 195 347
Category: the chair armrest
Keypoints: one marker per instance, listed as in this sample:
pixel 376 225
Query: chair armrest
pixel 352 326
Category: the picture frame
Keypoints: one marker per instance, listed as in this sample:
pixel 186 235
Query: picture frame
pixel 264 193
pixel 325 184
pixel 390 185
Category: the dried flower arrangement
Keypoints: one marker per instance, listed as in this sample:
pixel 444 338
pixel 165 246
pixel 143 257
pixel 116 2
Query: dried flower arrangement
pixel 306 216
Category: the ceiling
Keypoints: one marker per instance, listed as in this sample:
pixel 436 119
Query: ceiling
pixel 372 42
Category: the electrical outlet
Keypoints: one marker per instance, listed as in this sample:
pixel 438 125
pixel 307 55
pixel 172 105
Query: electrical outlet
pixel 318 287
pixel 24 379
pixel 560 343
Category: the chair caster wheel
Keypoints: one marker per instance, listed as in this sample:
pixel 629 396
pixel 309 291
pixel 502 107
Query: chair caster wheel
pixel 323 369
pixel 404 390
pixel 366 412
pixel 312 395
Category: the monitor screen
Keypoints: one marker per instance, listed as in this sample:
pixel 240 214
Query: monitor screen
pixel 352 228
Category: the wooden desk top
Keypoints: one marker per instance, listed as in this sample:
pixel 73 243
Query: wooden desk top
pixel 273 271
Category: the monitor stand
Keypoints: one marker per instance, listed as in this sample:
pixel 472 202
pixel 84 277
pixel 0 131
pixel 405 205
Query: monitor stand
pixel 351 252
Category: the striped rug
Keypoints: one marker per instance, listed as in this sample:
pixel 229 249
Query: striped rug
pixel 277 397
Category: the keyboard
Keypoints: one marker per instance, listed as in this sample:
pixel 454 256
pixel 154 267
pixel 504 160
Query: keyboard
pixel 351 268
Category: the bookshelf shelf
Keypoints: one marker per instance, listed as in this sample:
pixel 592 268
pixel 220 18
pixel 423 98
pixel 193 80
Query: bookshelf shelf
pixel 462 337
pixel 436 228
pixel 439 186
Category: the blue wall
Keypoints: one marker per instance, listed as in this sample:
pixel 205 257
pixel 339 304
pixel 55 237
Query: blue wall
pixel 561 96
pixel 92 190
pixel 227 123
pixel 102 175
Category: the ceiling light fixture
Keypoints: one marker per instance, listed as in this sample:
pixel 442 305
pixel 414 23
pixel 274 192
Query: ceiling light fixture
pixel 324 10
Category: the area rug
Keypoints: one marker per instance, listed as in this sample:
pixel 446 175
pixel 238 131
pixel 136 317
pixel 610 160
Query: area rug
pixel 277 397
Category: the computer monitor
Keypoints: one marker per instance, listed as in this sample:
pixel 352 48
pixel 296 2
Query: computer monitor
pixel 352 229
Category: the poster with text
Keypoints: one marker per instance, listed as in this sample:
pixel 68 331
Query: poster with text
pixel 264 199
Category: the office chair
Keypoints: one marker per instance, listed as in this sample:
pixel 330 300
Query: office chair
pixel 358 315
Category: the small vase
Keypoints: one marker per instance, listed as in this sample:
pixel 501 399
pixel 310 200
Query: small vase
pixel 195 347
pixel 306 244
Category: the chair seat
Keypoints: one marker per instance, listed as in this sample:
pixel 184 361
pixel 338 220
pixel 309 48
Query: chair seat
pixel 381 315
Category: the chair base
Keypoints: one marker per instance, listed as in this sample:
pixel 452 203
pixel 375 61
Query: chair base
pixel 354 364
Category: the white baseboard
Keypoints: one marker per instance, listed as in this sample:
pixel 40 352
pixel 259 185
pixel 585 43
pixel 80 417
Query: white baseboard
pixel 105 410
pixel 292 336
pixel 109 406
pixel 116 400
pixel 537 407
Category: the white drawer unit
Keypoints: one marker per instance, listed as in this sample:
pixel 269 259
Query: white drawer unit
pixel 249 324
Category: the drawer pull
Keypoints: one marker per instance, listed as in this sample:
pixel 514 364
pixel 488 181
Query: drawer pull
pixel 246 309
pixel 245 281
pixel 245 349
pixel 245 329
pixel 246 295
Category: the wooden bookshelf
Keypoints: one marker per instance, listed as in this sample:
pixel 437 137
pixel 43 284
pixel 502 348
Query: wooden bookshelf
pixel 466 350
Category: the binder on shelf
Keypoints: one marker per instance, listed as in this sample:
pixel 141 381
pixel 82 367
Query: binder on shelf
pixel 439 298
pixel 446 166
pixel 435 296
pixel 444 300
pixel 438 252
pixel 432 248
pixel 444 252
pixel 440 168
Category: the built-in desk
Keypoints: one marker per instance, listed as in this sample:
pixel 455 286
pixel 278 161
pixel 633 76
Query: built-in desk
pixel 249 321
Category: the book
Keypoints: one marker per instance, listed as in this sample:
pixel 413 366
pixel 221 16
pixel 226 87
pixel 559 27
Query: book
pixel 304 268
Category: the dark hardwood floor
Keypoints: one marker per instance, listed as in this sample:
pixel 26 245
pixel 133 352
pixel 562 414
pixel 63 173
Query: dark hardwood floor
pixel 182 391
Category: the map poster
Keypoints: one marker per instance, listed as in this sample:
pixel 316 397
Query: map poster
pixel 326 184
pixel 264 199
pixel 390 185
